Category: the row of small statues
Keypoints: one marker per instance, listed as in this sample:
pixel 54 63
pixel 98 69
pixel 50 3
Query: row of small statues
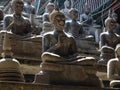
pixel 60 46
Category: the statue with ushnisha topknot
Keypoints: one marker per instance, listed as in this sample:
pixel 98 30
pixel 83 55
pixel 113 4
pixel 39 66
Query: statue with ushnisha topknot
pixel 60 60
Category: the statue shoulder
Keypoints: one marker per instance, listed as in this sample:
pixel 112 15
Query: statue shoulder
pixel 48 34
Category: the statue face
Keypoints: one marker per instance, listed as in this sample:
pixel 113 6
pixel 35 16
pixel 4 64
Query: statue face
pixel 18 7
pixel 110 25
pixel 50 8
pixel 59 22
pixel 74 15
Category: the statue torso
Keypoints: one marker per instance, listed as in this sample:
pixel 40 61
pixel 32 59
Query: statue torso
pixel 52 39
pixel 75 28
pixel 21 25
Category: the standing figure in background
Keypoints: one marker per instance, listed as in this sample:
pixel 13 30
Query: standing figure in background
pixel 15 22
pixel 66 9
pixel 47 26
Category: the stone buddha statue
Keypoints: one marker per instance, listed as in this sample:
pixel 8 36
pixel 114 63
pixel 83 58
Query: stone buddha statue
pixel 108 40
pixel 60 61
pixel 16 23
pixel 86 18
pixel 47 26
pixel 75 28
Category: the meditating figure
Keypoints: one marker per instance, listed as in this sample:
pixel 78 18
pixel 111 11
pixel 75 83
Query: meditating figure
pixel 54 44
pixel 15 22
pixel 108 41
pixel 86 18
pixel 60 61
pixel 74 27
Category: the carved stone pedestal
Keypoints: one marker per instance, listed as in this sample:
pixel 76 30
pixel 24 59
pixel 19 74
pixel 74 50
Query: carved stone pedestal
pixel 68 73
pixel 10 70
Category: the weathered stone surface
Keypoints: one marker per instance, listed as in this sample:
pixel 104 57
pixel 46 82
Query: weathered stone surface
pixel 29 86
pixel 10 70
pixel 23 48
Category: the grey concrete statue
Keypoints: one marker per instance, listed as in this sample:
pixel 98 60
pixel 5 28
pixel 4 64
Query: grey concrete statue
pixel 15 22
pixel 47 26
pixel 60 61
pixel 108 41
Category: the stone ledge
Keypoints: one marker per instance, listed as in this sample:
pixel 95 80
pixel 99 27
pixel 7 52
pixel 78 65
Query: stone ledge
pixel 30 86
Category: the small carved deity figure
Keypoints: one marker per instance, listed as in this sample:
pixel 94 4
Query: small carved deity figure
pixel 115 17
pixel 86 18
pixel 66 9
pixel 73 26
pixel 28 8
pixel 15 22
pixel 54 44
pixel 47 26
pixel 108 40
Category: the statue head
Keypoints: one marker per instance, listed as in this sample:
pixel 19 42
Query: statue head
pixel 17 6
pixel 58 19
pixel 110 23
pixel 50 7
pixel 73 12
pixel 117 51
pixel 87 8
pixel 67 4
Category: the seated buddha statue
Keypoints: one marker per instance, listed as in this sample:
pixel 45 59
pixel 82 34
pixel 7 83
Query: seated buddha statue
pixel 75 28
pixel 16 23
pixel 109 39
pixel 60 61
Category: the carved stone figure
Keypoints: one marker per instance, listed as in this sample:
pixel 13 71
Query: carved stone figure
pixel 115 17
pixel 47 26
pixel 65 10
pixel 49 9
pixel 75 28
pixel 108 40
pixel 60 61
pixel 15 22
pixel 85 18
